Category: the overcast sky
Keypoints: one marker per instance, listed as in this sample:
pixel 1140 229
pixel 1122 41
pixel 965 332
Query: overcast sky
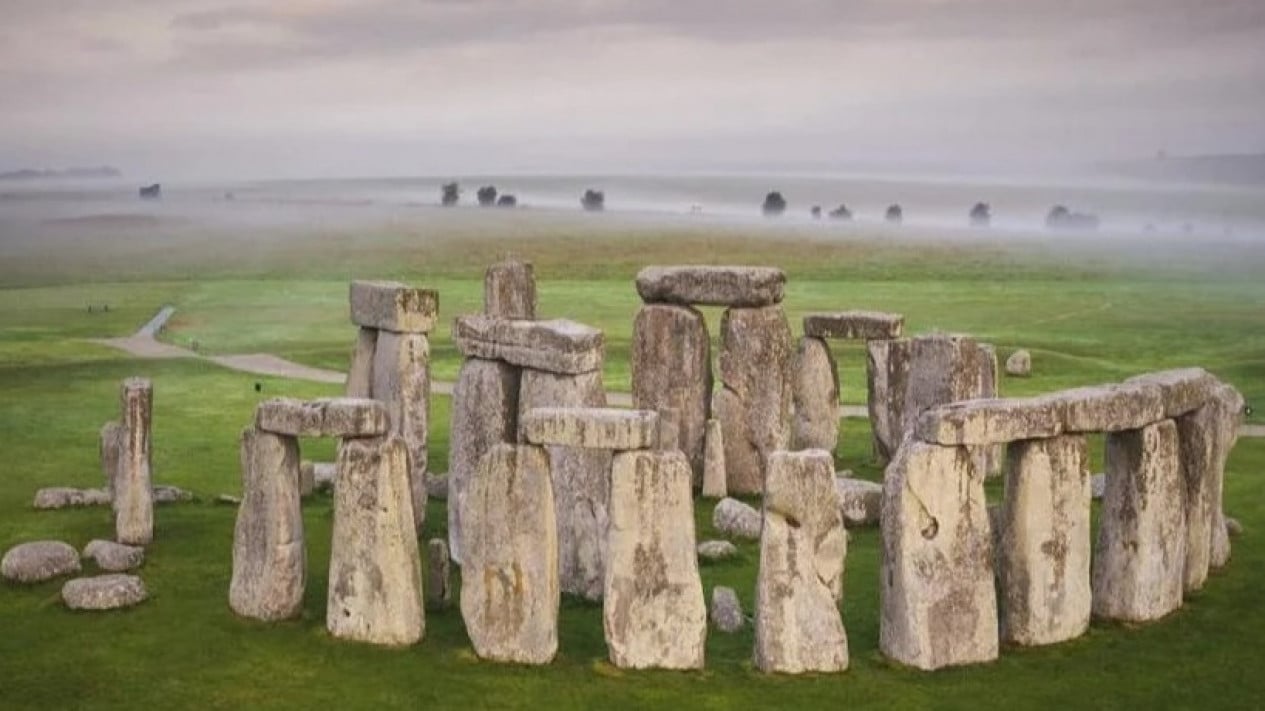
pixel 194 89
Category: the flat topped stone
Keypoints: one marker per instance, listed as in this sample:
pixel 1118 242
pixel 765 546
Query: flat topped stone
pixel 556 346
pixel 1109 408
pixel 990 421
pixel 325 417
pixel 104 592
pixel 856 325
pixel 712 286
pixel 392 306
pixel 591 427
pixel 1183 389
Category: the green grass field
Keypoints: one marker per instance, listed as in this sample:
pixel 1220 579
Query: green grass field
pixel 1085 321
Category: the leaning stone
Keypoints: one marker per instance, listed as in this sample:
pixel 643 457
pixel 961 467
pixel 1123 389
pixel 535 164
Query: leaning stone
pixel 726 612
pixel 854 325
pixel 104 592
pixel 860 501
pixel 269 552
pixel 939 606
pixel 324 417
pixel 1043 556
pixel 591 427
pixel 797 624
pixel 401 380
pixel 672 368
pixel 110 442
pixel 164 494
pixel 756 366
pixel 887 379
pixel 133 492
pixel 714 486
pixel 653 610
pixel 816 397
pixel 375 577
pixel 438 576
pixel 509 571
pixel 114 557
pixel 1019 364
pixel 736 519
pixel 392 306
pixel 716 550
pixel 988 422
pixel 557 346
pixel 746 287
pixel 37 561
pixel 1109 408
pixel 1140 555
pixel 509 290
pixel 360 374
pixel 437 486
pixel 1183 389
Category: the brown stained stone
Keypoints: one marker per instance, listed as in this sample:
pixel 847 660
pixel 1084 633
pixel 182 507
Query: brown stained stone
pixel 401 380
pixel 133 488
pixel 854 325
pixel 323 417
pixel 815 424
pixel 747 287
pixel 754 407
pixel 671 368
pixel 509 290
pixel 392 306
pixel 591 427
pixel 360 374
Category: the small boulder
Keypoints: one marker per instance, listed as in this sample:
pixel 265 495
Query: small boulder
pixel 737 519
pixel 1019 364
pixel 38 561
pixel 727 610
pixel 114 557
pixel 228 500
pixel 716 550
pixel 60 497
pixel 1233 527
pixel 104 592
pixel 860 501
pixel 437 486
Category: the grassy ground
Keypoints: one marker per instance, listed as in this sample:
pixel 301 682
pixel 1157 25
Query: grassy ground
pixel 184 648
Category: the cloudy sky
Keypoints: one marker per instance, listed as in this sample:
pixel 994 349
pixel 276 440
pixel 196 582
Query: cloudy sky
pixel 206 89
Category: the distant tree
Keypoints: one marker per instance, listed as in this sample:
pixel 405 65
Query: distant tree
pixel 593 200
pixel 507 200
pixel 1057 216
pixel 774 204
pixel 450 194
pixel 1061 218
pixel 487 195
pixel 841 213
pixel 816 212
pixel 895 214
pixel 981 215
pixel 151 192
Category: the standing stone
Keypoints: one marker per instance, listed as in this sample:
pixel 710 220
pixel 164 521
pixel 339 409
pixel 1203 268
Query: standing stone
pixel 360 375
pixel 672 368
pixel 1140 556
pixel 797 623
pixel 939 605
pixel 509 290
pixel 484 414
pixel 509 575
pixel 1043 557
pixel 1019 364
pixel 653 610
pixel 1231 404
pixel 581 480
pixel 401 379
pixel 1200 462
pixel 986 387
pixel 375 577
pixel 942 369
pixel 727 610
pixel 754 406
pixel 133 488
pixel 816 394
pixel 714 462
pixel 887 378
pixel 110 446
pixel 438 575
pixel 269 552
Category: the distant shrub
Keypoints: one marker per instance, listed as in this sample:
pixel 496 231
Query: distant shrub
pixel 816 212
pixel 486 195
pixel 774 204
pixel 841 213
pixel 1061 218
pixel 507 200
pixel 593 200
pixel 895 214
pixel 450 194
pixel 981 215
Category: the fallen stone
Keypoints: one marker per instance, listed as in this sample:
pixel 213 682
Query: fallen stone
pixel 1098 485
pixel 104 592
pixel 557 346
pixel 714 486
pixel 133 490
pixel 717 550
pixel 326 417
pixel 1108 408
pixel 591 427
pixel 1019 364
pixel 726 612
pixel 110 442
pixel 860 501
pixel 114 557
pixel 60 497
pixel 747 287
pixel 37 561
pixel 509 290
pixel 672 368
pixel 437 487
pixel 854 325
pixel 438 584
pixel 228 499
pixel 815 391
pixel 754 407
pixel 360 374
pixel 989 422
pixel 401 380
pixel 392 306
pixel 1183 390
pixel 736 519
pixel 887 379
pixel 165 494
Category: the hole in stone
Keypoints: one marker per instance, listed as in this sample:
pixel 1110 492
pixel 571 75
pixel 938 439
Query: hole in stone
pixel 792 522
pixel 931 529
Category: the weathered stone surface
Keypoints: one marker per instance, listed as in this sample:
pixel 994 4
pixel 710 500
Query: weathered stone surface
pixel 111 442
pixel 484 414
pixel 509 290
pixel 1019 364
pixel 114 557
pixel 1140 555
pixel 509 575
pixel 1224 420
pixel 653 610
pixel 269 550
pixel 992 454
pixel 360 374
pixel 815 391
pixel 756 366
pixel 581 480
pixel 854 325
pixel 714 485
pixel 557 346
pixel 987 422
pixel 375 577
pixel 1109 408
pixel 1043 555
pixel 1231 403
pixel 736 519
pixel 727 610
pixel 672 368
pixel 438 575
pixel 324 474
pixel 401 380
pixel 712 286
pixel 1202 461
pixel 104 592
pixel 324 417
pixel 437 486
pixel 133 489
pixel 716 550
pixel 797 623
pixel 1098 485
pixel 1183 390
pixel 591 427
pixel 307 478
pixel 942 369
pixel 887 379
pixel 37 561
pixel 60 497
pixel 939 606
pixel 166 494
pixel 392 306
pixel 860 501
pixel 668 430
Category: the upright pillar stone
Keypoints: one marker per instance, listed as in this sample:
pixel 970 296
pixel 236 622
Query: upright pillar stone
pixel 269 551
pixel 133 487
pixel 1043 561
pixel 887 379
pixel 986 361
pixel 671 368
pixel 401 379
pixel 816 397
pixel 375 577
pixel 509 290
pixel 754 406
pixel 360 375
pixel 802 548
pixel 110 446
pixel 714 486
pixel 653 613
pixel 1140 556
pixel 1230 404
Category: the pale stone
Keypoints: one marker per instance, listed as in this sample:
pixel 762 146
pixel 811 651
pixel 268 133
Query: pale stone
pixel 114 557
pixel 816 397
pixel 860 501
pixel 672 368
pixel 653 609
pixel 509 290
pixel 714 485
pixel 1019 364
pixel 509 572
pixel 392 306
pixel 736 519
pixel 716 550
pixel 104 592
pixel 557 346
pixel 1183 390
pixel 375 577
pixel 726 612
pixel 591 427
pixel 438 584
pixel 324 417
pixel 1140 554
pixel 668 430
pixel 111 441
pixel 854 325
pixel 37 561
pixel 988 422
pixel 165 494
pixel 1231 404
pixel 484 414
pixel 324 474
pixel 1109 408
pixel 887 379
pixel 991 454
pixel 307 478
pixel 756 364
pixel 939 606
pixel 360 374
pixel 133 489
pixel 1201 461
pixel 712 286
pixel 269 550
pixel 401 380
pixel 797 623
pixel 60 497
pixel 942 369
pixel 1098 485
pixel 1233 527
pixel 1043 555
pixel 228 500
